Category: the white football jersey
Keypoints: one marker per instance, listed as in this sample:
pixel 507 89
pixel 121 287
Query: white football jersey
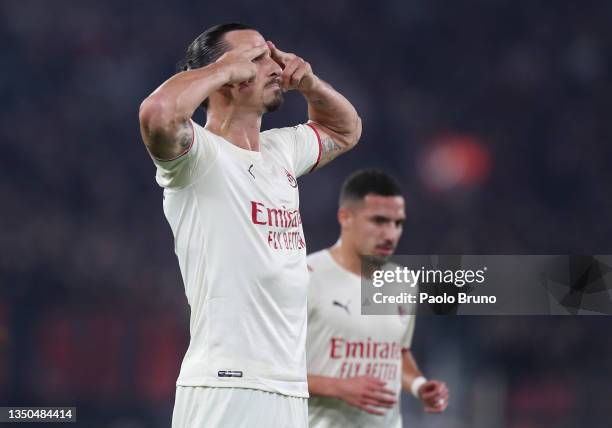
pixel 343 343
pixel 234 214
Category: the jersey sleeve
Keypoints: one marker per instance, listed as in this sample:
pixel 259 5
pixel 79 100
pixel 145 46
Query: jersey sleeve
pixel 407 337
pixel 301 144
pixel 308 148
pixel 192 164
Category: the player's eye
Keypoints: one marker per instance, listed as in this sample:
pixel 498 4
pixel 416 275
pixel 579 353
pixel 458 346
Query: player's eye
pixel 379 220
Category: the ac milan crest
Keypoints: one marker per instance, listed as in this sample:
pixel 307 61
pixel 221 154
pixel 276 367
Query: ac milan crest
pixel 291 179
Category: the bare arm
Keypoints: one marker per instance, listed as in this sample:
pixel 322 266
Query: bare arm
pixel 164 115
pixel 433 393
pixel 410 371
pixel 335 118
pixel 364 392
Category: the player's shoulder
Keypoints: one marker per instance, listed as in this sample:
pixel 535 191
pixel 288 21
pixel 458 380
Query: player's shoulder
pixel 204 137
pixel 318 258
pixel 278 142
pixel 320 270
pixel 289 134
pixel 201 131
pixel 319 262
pixel 286 133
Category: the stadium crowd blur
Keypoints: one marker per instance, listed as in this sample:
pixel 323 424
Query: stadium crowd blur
pixel 494 115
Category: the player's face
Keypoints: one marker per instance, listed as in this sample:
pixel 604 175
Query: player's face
pixel 263 93
pixel 374 226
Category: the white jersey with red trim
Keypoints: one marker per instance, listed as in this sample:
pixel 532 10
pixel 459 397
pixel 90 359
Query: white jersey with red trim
pixel 234 214
pixel 342 343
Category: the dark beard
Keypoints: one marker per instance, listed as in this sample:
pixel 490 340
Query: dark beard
pixel 371 263
pixel 275 103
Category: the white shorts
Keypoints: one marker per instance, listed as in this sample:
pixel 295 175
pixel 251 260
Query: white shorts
pixel 202 406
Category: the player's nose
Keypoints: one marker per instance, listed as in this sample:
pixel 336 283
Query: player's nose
pixel 275 69
pixel 391 233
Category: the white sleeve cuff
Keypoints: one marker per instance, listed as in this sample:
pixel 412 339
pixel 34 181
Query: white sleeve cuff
pixel 416 384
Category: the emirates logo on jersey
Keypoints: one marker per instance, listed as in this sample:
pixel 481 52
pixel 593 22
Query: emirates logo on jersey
pixel 291 179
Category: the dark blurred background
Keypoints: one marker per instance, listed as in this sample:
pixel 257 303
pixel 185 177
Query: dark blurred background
pixel 494 114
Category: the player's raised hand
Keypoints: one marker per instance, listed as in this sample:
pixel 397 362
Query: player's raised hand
pixel 367 393
pixel 434 395
pixel 297 73
pixel 238 63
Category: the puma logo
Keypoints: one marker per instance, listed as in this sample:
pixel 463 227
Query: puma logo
pixel 345 307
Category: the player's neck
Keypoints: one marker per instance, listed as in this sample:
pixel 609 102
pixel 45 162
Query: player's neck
pixel 346 257
pixel 239 128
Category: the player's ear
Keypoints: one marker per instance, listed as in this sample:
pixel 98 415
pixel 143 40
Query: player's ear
pixel 344 216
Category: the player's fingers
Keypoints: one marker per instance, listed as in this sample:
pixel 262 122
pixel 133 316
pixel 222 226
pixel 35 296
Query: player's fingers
pixel 287 73
pixel 375 381
pixel 372 410
pixel 436 406
pixel 277 55
pixel 381 401
pixel 430 390
pixel 443 393
pixel 381 398
pixel 280 57
pixel 438 398
pixel 254 52
pixel 434 398
pixel 377 403
pixel 299 74
pixel 437 409
pixel 386 391
pixel 429 394
pixel 436 402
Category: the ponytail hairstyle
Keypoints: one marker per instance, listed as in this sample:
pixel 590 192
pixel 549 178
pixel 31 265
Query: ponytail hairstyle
pixel 208 47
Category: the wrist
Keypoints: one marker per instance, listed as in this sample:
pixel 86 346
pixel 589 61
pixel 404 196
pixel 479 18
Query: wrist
pixel 220 73
pixel 416 384
pixel 309 87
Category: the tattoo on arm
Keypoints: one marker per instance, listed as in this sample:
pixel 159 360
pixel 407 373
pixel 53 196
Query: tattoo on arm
pixel 329 150
pixel 184 137
pixel 319 103
pixel 170 144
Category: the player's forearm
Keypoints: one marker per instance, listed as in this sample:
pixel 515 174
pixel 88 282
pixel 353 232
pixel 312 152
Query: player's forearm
pixel 323 386
pixel 410 370
pixel 329 108
pixel 177 98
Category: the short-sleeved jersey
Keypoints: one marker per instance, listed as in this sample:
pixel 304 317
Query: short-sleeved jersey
pixel 342 343
pixel 234 214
